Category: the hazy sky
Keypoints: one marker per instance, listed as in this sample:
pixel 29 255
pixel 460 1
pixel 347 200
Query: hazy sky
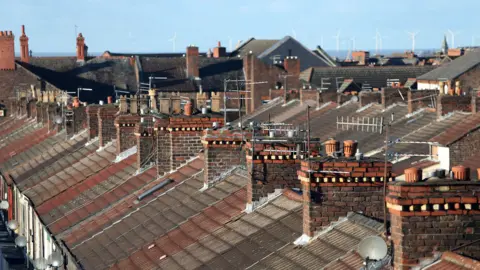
pixel 146 25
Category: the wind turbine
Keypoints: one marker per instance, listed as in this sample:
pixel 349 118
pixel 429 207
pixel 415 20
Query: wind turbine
pixel 413 36
pixel 173 40
pixel 452 34
pixel 353 39
pixel 337 37
pixel 321 41
pixel 378 41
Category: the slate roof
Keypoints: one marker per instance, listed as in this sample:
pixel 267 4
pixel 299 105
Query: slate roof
pixel 454 68
pixel 99 74
pixel 376 77
pixel 212 71
pixel 20 79
pixel 167 55
pixel 257 46
pixel 453 261
pixel 458 130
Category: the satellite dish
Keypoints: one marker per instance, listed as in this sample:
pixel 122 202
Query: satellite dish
pixel 4 205
pixel 40 264
pixel 56 259
pixel 354 99
pixel 58 119
pixel 21 241
pixel 373 248
pixel 12 224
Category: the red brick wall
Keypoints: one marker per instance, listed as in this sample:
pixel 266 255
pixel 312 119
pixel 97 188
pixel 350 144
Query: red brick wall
pixel 125 126
pixel 79 119
pixel 7 51
pixel 32 108
pixel 369 97
pixel 419 99
pixel 470 79
pixel 164 152
pixel 328 96
pixel 185 145
pixel 447 104
pixel 422 224
pixel 390 96
pixel 465 148
pixel 258 71
pixel 92 120
pixel 106 126
pixel 330 196
pixel 146 145
pixel 309 94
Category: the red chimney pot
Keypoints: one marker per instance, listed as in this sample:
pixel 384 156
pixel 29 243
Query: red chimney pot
pixel 109 100
pixel 413 175
pixel 460 173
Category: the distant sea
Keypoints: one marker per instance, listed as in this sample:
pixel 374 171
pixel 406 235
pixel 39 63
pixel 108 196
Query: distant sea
pixel 342 54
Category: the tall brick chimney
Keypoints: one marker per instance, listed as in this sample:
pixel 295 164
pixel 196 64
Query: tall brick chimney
pixel 106 124
pixel 273 166
pixel 7 51
pixel 179 138
pixel 125 125
pixel 356 185
pixel 81 48
pixel 223 151
pixel 192 61
pixel 292 66
pixel 432 216
pixel 146 143
pixel 24 51
pixel 219 51
pixel 92 121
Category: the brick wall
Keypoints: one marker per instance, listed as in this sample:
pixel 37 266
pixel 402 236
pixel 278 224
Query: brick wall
pixel 274 93
pixel 470 79
pixel 164 152
pixel 223 151
pixel 32 108
pixel 257 71
pixel 390 96
pixel 328 96
pixel 341 98
pixel 7 51
pixel 369 97
pixel 79 119
pixel 309 94
pixel 106 126
pixel 427 217
pixel 39 111
pixel 273 170
pixel 420 99
pixel 447 104
pixel 465 148
pixel 185 145
pixel 92 121
pixel 125 126
pixel 146 144
pixel 330 196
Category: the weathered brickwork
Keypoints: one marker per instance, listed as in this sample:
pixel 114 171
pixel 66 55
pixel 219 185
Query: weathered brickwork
pixel 465 148
pixel 309 94
pixel 470 80
pixel 341 98
pixel 106 126
pixel 421 99
pixel 369 97
pixel 185 145
pixel 32 108
pixel 7 51
pixel 223 151
pixel 390 96
pixel 92 120
pixel 428 217
pixel 329 196
pixel 125 125
pixel 146 144
pixel 79 119
pixel 447 104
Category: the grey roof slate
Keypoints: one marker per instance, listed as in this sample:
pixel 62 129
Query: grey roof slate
pixel 256 46
pixel 455 68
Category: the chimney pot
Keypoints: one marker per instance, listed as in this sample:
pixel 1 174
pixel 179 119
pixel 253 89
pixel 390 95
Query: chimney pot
pixel 76 102
pixel 219 44
pixel 331 146
pixel 23 29
pixel 109 100
pixel 460 173
pixel 188 108
pixel 349 148
pixel 204 110
pixel 413 175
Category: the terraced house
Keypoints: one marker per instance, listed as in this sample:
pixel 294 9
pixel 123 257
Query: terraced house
pixel 151 182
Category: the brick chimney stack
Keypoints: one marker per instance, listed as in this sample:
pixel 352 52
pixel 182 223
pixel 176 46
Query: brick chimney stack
pixel 192 61
pixel 219 51
pixel 432 216
pixel 81 48
pixel 24 51
pixel 7 51
pixel 292 66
